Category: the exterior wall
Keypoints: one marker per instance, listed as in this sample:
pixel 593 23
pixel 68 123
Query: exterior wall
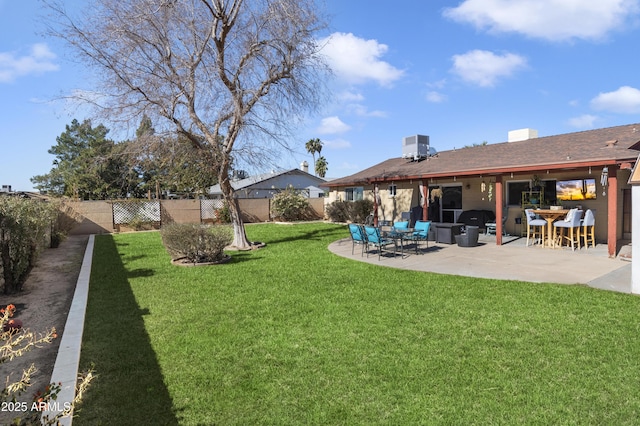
pixel 391 208
pixel 255 210
pixel 181 211
pixel 97 216
pixel 317 207
pixel 408 197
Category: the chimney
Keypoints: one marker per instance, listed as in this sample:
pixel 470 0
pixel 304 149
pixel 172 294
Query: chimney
pixel 304 166
pixel 522 135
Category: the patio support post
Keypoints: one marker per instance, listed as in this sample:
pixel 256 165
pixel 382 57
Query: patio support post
pixel 425 205
pixel 499 204
pixel 376 194
pixel 612 211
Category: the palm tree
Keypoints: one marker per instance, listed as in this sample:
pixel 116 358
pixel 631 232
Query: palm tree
pixel 314 146
pixel 321 167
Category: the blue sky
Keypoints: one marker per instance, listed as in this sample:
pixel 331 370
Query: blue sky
pixel 461 72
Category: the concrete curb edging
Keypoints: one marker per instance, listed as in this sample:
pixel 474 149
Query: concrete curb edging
pixel 65 369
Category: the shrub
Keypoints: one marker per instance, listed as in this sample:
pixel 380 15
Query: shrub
pixel 137 223
pixel 223 215
pixel 360 210
pixel 338 211
pixel 349 211
pixel 196 243
pixel 290 205
pixel 24 227
pixel 16 342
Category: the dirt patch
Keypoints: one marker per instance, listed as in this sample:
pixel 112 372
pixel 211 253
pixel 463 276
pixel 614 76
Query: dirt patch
pixel 43 303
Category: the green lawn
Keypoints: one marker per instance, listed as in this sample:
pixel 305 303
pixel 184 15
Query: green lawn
pixel 293 334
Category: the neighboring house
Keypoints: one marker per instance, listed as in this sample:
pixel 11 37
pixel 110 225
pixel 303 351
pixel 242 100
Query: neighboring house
pixel 588 169
pixel 268 184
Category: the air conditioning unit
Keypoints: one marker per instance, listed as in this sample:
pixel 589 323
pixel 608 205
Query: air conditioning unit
pixel 415 147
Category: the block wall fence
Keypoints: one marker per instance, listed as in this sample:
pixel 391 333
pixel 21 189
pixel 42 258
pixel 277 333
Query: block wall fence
pixel 98 216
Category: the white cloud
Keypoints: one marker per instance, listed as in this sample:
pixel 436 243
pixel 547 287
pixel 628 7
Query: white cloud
pixel 336 144
pixel 586 121
pixel 436 97
pixel 484 68
pixel 363 111
pixel 554 20
pixel 39 60
pixel 440 84
pixel 348 96
pixel 332 125
pixel 625 100
pixel 358 60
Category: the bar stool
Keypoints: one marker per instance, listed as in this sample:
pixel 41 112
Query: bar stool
pixel 572 223
pixel 588 228
pixel 535 227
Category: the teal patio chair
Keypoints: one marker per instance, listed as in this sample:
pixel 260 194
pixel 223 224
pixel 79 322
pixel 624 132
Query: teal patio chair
pixel 401 225
pixel 358 237
pixel 421 233
pixel 375 239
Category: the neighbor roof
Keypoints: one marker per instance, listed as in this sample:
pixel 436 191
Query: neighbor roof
pixel 262 179
pixel 571 150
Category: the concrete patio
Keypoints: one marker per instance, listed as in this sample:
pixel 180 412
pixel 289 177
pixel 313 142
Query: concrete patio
pixel 511 261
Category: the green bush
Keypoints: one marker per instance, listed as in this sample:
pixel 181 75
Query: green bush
pixel 349 211
pixel 223 215
pixel 196 243
pixel 360 210
pixel 24 227
pixel 338 211
pixel 290 205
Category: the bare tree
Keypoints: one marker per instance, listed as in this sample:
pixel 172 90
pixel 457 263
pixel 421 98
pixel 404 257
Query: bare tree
pixel 232 76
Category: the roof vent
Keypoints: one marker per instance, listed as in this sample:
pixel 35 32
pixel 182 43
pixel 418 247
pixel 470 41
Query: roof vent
pixel 611 144
pixel 522 135
pixel 416 147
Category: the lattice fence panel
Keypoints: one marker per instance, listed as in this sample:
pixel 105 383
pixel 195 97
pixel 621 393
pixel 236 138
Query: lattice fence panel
pixel 143 211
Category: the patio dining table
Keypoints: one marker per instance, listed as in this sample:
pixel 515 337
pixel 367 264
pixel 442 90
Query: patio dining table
pixel 398 235
pixel 550 216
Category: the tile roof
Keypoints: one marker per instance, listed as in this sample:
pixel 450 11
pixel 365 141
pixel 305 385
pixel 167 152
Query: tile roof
pixel 593 147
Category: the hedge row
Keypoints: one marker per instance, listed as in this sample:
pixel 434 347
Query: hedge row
pixel 26 227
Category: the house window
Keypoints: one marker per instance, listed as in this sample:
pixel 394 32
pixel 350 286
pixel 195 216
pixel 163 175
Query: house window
pixel 392 190
pixel 516 188
pixel 353 194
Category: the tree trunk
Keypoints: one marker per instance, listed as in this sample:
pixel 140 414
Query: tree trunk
pixel 240 241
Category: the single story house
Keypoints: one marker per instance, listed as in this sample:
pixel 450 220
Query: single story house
pixel 590 169
pixel 266 185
